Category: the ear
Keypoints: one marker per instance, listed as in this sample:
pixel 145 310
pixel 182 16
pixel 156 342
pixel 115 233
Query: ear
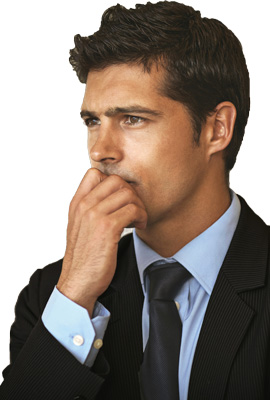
pixel 220 126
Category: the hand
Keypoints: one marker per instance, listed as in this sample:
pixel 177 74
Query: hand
pixel 100 210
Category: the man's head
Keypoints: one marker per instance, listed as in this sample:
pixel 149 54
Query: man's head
pixel 202 59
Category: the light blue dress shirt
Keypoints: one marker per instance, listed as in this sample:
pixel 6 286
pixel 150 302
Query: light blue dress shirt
pixel 202 257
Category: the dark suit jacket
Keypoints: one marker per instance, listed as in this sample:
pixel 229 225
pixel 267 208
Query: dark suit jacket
pixel 232 358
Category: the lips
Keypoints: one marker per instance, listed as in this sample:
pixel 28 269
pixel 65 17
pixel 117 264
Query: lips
pixel 110 171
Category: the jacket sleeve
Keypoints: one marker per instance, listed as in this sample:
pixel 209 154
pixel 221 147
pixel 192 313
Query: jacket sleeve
pixel 40 367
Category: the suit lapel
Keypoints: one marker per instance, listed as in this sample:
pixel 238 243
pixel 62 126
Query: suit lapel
pixel 227 316
pixel 225 323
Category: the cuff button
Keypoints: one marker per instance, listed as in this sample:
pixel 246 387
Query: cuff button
pixel 78 340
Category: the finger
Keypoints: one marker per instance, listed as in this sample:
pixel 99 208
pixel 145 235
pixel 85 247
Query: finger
pixel 129 216
pixel 103 191
pixel 117 200
pixel 91 179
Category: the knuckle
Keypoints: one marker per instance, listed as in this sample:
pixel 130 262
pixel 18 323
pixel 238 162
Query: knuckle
pixel 132 208
pixel 127 192
pixel 81 208
pixel 90 214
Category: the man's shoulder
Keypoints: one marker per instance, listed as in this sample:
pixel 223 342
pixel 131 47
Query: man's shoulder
pixel 246 264
pixel 250 218
pixel 252 234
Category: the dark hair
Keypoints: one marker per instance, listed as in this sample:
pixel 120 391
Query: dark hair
pixel 203 59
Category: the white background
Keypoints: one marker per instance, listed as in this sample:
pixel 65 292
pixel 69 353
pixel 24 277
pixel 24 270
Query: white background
pixel 43 141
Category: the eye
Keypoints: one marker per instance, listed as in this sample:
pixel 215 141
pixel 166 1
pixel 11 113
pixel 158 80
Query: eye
pixel 133 120
pixel 89 122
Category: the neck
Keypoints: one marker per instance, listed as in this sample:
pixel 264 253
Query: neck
pixel 168 236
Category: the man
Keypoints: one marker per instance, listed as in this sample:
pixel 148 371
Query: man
pixel 166 104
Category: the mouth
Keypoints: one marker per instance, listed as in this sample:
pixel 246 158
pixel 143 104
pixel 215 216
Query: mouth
pixel 125 178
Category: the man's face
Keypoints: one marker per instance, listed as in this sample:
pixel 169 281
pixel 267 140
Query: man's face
pixel 144 137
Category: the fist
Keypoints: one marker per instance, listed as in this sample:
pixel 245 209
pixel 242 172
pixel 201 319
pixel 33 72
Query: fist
pixel 100 210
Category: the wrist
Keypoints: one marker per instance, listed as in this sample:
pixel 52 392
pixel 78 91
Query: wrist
pixel 78 297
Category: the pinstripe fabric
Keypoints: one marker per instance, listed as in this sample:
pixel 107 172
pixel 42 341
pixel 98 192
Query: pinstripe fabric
pixel 29 381
pixel 236 324
pixel 124 329
pixel 232 358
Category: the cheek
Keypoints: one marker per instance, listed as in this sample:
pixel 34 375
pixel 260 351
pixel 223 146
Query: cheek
pixel 90 142
pixel 153 161
pixel 172 171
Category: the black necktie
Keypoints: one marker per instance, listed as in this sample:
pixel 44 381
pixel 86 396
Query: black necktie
pixel 159 370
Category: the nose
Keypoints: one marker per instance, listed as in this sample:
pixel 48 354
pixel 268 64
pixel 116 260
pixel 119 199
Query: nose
pixel 105 146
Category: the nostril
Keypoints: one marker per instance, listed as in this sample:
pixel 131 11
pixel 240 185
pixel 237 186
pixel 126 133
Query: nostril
pixel 107 159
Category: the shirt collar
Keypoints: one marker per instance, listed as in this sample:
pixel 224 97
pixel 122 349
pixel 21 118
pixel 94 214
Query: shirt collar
pixel 204 255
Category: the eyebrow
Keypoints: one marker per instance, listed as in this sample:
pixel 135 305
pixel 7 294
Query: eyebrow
pixel 111 112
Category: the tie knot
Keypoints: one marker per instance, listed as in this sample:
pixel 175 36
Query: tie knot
pixel 165 280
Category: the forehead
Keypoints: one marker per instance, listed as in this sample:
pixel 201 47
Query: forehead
pixel 117 85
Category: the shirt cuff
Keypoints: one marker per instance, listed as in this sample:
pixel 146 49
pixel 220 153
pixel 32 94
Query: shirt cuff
pixel 71 325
